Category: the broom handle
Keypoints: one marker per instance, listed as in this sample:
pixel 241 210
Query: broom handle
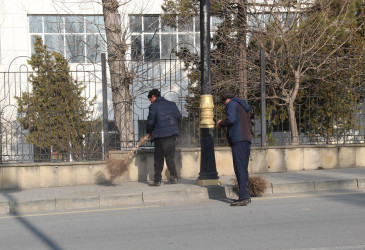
pixel 140 143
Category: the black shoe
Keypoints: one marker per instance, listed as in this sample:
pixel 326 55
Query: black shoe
pixel 243 202
pixel 155 184
pixel 172 180
pixel 244 199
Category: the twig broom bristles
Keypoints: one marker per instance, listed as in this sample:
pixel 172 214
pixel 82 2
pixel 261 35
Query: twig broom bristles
pixel 257 185
pixel 117 167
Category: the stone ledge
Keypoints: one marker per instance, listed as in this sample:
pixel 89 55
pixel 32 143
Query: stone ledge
pixel 16 207
pixel 115 200
pixel 361 183
pixel 292 187
pixel 335 185
pixel 262 160
pixel 82 202
pixel 4 208
pixel 195 193
pixel 169 196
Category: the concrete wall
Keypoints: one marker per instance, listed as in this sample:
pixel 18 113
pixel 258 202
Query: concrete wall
pixel 262 160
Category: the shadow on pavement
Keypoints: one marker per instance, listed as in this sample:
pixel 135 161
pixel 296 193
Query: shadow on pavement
pixel 33 229
pixel 218 193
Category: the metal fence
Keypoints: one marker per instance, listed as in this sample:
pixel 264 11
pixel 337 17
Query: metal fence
pixel 58 133
pixel 328 106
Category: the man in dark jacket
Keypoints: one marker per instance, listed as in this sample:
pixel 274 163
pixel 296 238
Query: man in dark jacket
pixel 239 135
pixel 163 127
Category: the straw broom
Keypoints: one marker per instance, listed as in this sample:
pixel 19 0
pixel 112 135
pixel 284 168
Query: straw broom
pixel 117 167
pixel 257 185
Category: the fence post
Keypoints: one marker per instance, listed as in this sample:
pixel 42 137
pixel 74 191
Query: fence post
pixel 105 104
pixel 263 97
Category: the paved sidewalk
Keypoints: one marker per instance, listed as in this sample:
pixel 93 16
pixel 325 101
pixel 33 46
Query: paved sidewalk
pixel 139 193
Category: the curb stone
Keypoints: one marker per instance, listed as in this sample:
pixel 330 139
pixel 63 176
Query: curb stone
pixel 156 197
pixel 337 184
pixel 192 193
pixel 4 208
pixel 32 206
pixel 115 200
pixel 197 195
pixel 82 202
pixel 293 187
pixel 361 183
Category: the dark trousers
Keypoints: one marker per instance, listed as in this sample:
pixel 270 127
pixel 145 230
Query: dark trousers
pixel 241 155
pixel 165 149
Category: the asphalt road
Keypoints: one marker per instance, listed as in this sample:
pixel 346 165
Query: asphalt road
pixel 333 220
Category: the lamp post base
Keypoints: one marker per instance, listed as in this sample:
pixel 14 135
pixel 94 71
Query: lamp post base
pixel 209 182
pixel 208 171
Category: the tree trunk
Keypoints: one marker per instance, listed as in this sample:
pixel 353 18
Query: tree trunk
pixel 293 124
pixel 242 73
pixel 291 111
pixel 120 77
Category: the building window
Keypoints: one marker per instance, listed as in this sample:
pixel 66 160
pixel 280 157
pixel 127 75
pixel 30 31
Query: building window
pixel 257 21
pixel 81 39
pixel 153 38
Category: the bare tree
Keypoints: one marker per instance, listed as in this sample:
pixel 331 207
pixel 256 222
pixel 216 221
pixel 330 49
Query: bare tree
pixel 120 77
pixel 294 35
pixel 127 69
pixel 122 73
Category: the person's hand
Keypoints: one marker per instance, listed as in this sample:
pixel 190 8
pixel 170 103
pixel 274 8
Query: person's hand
pixel 148 135
pixel 218 123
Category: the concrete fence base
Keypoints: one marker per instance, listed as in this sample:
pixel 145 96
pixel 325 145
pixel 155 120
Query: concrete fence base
pixel 262 160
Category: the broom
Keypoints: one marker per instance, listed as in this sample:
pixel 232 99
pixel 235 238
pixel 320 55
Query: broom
pixel 257 185
pixel 117 167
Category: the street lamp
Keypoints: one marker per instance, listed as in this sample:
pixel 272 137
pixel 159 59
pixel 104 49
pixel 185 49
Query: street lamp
pixel 208 174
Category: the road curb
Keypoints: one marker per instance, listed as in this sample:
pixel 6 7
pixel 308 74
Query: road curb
pixel 4 208
pixel 292 187
pixel 336 185
pixel 77 202
pixel 15 207
pixel 162 197
pixel 361 183
pixel 126 199
pixel 302 187
pixel 189 194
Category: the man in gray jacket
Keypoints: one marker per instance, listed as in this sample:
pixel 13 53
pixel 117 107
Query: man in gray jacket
pixel 163 127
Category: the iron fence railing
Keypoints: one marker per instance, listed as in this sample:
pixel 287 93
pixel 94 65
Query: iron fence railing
pixel 59 134
pixel 328 108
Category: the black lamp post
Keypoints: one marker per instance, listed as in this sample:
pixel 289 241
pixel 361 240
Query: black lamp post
pixel 208 171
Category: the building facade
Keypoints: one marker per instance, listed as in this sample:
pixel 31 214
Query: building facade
pixel 76 30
